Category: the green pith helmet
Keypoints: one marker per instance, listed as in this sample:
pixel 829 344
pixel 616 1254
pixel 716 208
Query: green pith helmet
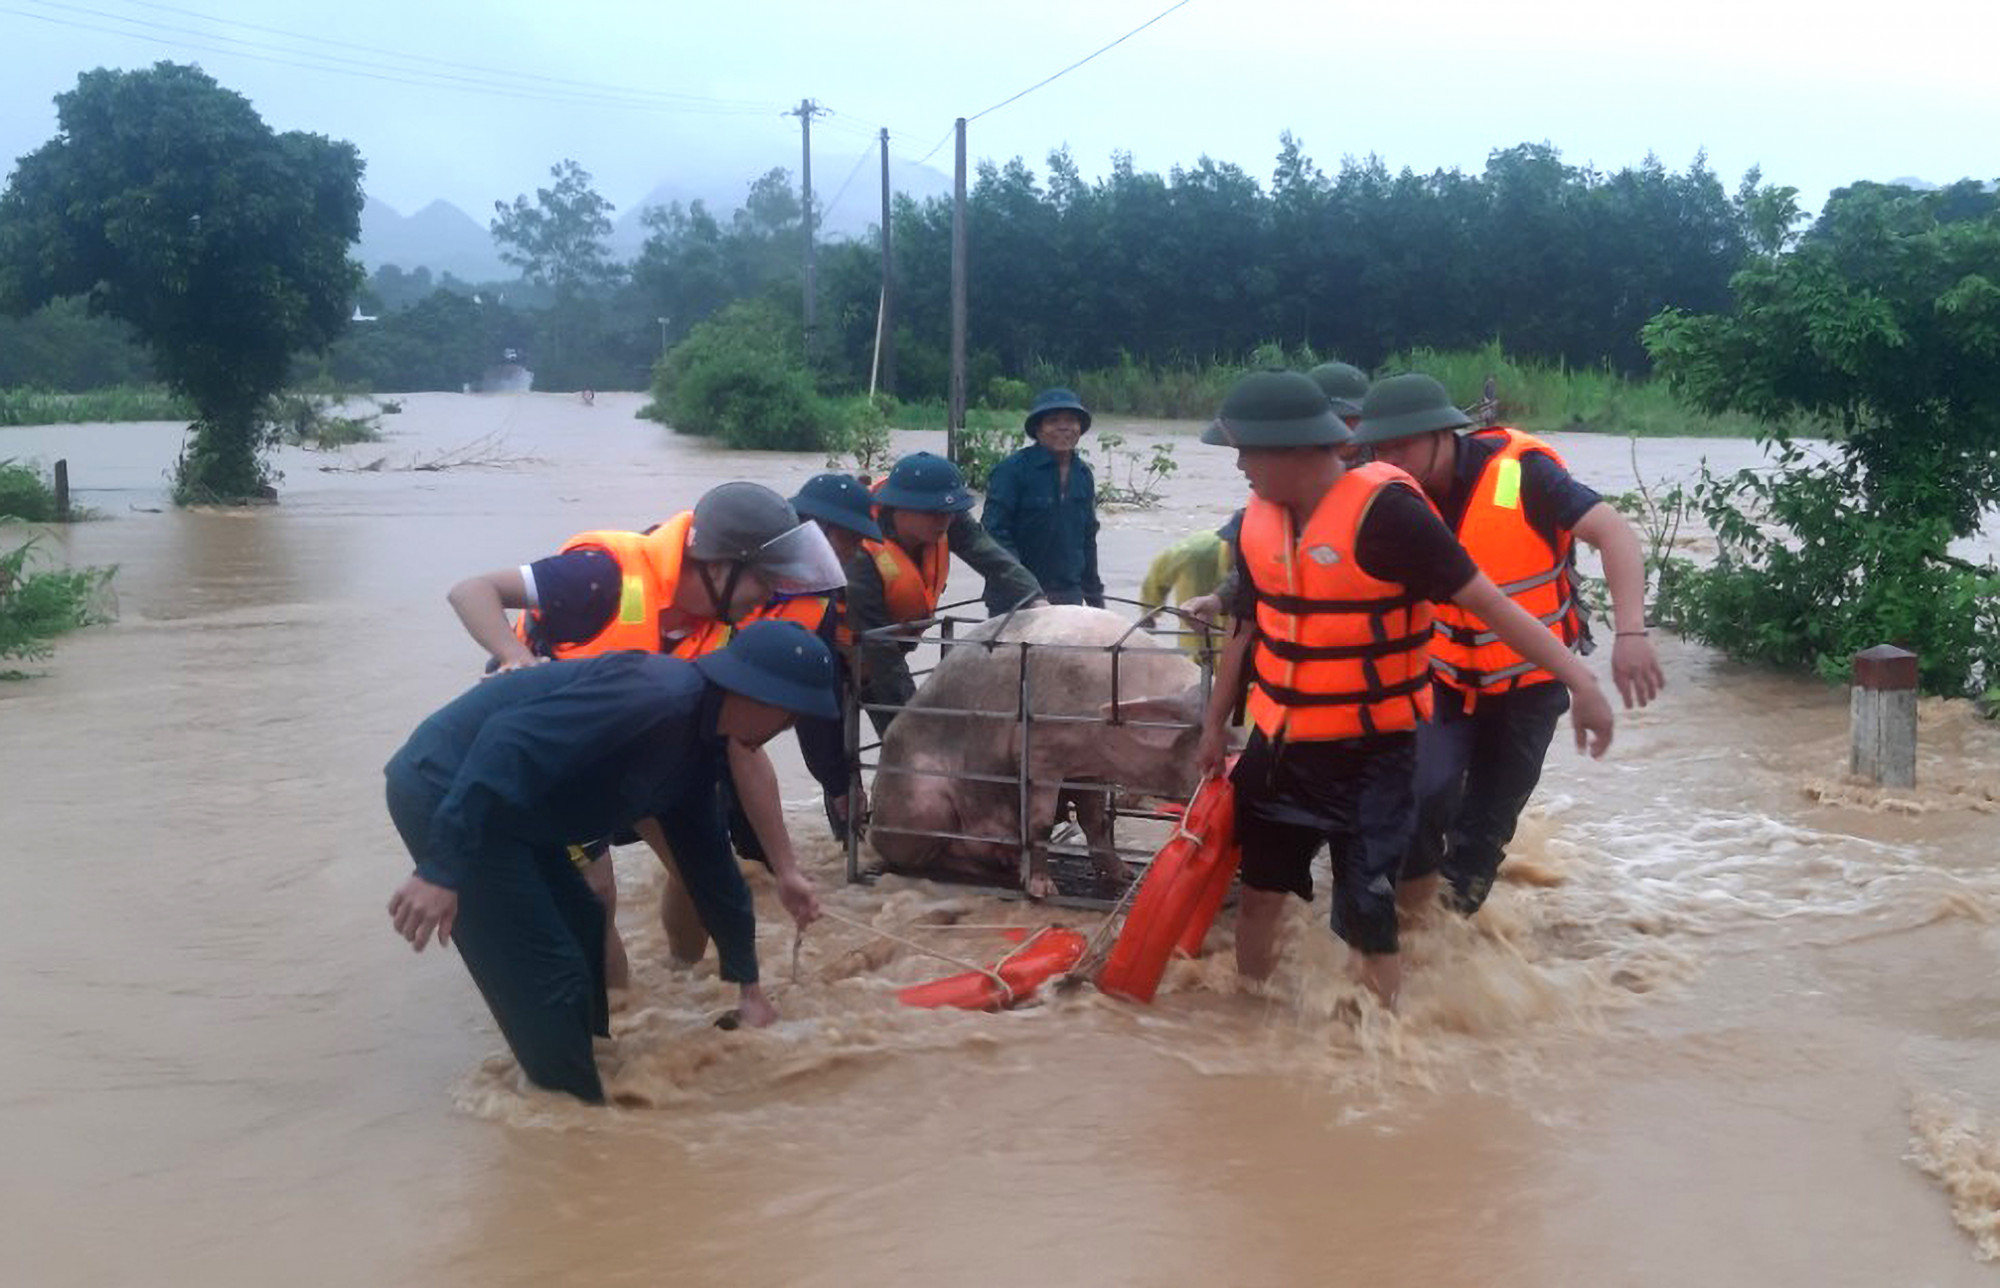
pixel 1275 409
pixel 1404 406
pixel 1344 386
pixel 926 482
pixel 779 663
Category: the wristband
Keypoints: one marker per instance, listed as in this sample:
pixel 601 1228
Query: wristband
pixel 1619 635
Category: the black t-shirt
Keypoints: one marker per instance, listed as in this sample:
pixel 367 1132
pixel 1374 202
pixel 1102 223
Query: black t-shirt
pixel 1401 540
pixel 1552 499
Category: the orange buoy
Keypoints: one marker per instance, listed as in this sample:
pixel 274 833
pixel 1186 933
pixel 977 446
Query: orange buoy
pixel 1022 972
pixel 1179 896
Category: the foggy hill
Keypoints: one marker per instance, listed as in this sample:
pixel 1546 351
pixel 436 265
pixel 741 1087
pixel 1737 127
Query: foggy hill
pixel 444 238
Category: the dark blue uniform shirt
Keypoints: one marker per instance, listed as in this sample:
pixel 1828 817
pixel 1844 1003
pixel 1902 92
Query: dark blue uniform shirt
pixel 1050 525
pixel 564 753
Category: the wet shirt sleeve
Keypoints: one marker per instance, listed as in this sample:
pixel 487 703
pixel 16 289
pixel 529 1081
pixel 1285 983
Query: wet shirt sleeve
pixel 576 593
pixel 1552 497
pixel 968 541
pixel 1403 540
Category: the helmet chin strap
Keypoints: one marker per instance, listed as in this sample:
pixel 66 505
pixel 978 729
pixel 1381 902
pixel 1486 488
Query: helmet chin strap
pixel 722 598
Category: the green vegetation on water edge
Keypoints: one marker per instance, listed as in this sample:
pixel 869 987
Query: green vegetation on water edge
pixel 118 403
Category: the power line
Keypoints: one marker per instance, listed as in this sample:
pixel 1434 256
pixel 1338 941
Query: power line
pixel 1056 76
pixel 840 192
pixel 1081 61
pixel 591 86
pixel 182 38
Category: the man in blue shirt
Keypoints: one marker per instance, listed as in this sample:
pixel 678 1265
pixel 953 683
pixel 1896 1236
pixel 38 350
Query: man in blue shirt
pixel 1041 503
pixel 489 792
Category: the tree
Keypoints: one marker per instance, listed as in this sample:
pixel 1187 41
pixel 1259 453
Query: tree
pixel 557 241
pixel 1885 322
pixel 167 202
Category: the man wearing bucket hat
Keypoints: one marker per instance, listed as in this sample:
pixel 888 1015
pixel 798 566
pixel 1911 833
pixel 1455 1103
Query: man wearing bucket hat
pixel 1517 510
pixel 1345 386
pixel 741 553
pixel 1041 504
pixel 490 791
pixel 1338 568
pixel 923 508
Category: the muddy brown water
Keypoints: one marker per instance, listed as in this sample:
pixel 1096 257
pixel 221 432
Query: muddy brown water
pixel 1737 1023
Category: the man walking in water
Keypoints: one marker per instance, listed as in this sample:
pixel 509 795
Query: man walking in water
pixel 1514 506
pixel 1338 568
pixel 490 791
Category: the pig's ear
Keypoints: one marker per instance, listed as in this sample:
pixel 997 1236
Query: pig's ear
pixel 1180 709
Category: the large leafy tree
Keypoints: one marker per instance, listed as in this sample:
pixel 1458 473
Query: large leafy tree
pixel 166 201
pixel 557 240
pixel 1885 321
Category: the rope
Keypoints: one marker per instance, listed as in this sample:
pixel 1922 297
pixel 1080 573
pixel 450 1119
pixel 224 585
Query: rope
pixel 1006 991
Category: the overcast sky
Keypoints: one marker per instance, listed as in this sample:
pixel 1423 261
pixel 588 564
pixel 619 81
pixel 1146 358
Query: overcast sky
pixel 639 91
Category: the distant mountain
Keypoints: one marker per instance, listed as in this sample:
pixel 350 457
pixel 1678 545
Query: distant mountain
pixel 440 237
pixel 443 238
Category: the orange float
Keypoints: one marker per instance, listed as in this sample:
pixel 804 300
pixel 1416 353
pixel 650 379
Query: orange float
pixel 1041 957
pixel 1179 896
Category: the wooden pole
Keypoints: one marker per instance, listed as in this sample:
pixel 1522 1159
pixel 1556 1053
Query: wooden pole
pixel 1883 717
pixel 62 491
pixel 885 318
pixel 957 393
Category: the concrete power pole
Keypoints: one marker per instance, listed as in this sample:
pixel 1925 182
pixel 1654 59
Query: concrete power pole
pixel 885 347
pixel 806 111
pixel 956 424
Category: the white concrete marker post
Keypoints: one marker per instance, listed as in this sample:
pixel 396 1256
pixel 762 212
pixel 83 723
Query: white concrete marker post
pixel 1883 711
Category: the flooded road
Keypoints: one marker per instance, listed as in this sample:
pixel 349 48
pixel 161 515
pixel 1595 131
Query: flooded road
pixel 1723 1027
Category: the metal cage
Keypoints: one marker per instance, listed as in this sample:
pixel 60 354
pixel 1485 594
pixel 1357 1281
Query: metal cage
pixel 1070 862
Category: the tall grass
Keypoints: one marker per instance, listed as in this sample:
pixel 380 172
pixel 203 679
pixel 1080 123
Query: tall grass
pixel 1542 397
pixel 121 402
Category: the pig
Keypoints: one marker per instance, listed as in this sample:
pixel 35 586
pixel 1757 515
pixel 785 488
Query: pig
pixel 1156 685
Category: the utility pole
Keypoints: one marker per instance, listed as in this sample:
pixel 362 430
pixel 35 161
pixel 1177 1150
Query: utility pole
pixel 956 423
pixel 806 111
pixel 885 317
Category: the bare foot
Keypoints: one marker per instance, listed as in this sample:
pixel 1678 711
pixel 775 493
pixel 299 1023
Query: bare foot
pixel 754 1010
pixel 1040 885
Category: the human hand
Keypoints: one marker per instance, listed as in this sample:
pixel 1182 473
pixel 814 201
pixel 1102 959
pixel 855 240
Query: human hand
pixel 1203 608
pixel 1590 715
pixel 419 908
pixel 1211 754
pixel 1635 669
pixel 795 892
pixel 517 663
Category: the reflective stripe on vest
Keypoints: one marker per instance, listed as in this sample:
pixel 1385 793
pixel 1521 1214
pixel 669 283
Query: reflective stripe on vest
pixel 649 569
pixel 1339 654
pixel 1495 531
pixel 911 587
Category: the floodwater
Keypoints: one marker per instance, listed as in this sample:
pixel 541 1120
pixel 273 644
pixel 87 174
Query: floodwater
pixel 1736 1020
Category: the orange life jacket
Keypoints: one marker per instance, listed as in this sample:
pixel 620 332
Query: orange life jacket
pixel 649 569
pixel 1495 531
pixel 1339 654
pixel 649 566
pixel 912 586
pixel 808 611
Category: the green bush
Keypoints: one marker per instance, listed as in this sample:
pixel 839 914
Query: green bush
pixel 24 494
pixel 737 377
pixel 1006 394
pixel 1807 577
pixel 35 607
